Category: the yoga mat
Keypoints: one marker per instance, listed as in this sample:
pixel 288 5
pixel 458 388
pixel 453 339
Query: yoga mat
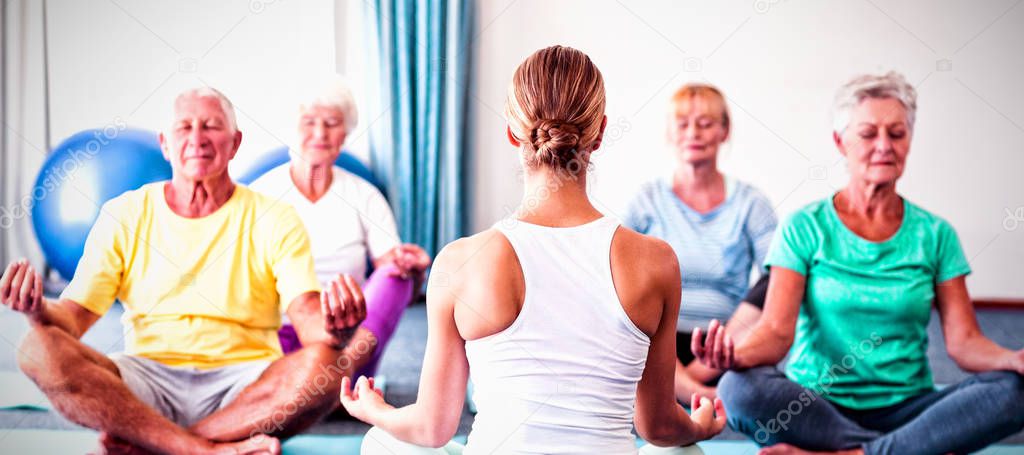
pixel 469 397
pixel 77 442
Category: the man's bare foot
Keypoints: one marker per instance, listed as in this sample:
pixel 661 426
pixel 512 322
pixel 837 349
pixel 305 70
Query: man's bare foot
pixel 786 449
pixel 260 444
pixel 112 445
pixel 256 445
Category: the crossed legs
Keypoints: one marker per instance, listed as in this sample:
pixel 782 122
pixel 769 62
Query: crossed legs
pixel 766 406
pixel 292 394
pixel 86 387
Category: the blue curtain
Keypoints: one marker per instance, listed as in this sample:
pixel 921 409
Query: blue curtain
pixel 420 51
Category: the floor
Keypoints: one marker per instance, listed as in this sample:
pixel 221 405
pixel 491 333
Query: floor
pixel 402 361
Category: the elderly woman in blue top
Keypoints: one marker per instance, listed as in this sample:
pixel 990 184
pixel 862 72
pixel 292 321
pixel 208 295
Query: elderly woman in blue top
pixel 719 227
pixel 853 281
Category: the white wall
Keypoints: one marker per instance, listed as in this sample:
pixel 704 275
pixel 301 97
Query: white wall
pixel 128 59
pixel 779 62
pixel 125 60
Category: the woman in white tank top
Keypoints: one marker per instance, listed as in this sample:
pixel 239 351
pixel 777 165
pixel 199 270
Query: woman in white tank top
pixel 565 320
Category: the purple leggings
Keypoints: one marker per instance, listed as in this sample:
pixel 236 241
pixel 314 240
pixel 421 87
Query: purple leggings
pixel 386 298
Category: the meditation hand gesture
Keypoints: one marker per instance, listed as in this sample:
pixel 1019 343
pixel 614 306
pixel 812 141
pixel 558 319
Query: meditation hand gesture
pixel 343 308
pixel 410 260
pixel 708 416
pixel 21 289
pixel 362 399
pixel 717 350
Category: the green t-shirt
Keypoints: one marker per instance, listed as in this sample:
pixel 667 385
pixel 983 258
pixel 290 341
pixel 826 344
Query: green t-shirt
pixel 862 334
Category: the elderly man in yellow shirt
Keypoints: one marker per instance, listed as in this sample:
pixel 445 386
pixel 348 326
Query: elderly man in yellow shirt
pixel 202 267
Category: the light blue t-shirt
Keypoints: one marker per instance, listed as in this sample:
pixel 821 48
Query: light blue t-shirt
pixel 716 250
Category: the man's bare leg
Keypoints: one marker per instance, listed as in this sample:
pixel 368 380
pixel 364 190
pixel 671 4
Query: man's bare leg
pixel 293 393
pixel 85 387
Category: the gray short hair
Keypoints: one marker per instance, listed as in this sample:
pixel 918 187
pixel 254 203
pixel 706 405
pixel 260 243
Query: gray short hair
pixel 890 85
pixel 210 92
pixel 333 93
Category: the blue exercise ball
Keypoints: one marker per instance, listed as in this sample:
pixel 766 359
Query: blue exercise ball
pixel 82 173
pixel 279 156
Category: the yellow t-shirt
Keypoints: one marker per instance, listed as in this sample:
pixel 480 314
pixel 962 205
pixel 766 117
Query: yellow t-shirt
pixel 202 292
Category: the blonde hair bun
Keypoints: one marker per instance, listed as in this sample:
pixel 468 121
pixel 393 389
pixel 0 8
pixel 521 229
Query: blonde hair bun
pixel 555 108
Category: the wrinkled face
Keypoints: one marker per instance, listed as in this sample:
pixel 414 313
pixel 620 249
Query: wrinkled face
pixel 876 142
pixel 696 129
pixel 200 142
pixel 321 134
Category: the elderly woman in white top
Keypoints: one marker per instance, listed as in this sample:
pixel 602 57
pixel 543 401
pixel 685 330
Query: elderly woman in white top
pixel 348 220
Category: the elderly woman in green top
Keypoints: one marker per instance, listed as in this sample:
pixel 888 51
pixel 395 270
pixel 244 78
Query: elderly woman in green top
pixel 853 281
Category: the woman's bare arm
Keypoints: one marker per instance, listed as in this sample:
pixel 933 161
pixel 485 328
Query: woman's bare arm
pixel 965 343
pixel 433 419
pixel 769 340
pixel 659 418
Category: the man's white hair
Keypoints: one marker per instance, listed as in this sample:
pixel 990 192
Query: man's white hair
pixel 890 85
pixel 332 92
pixel 210 92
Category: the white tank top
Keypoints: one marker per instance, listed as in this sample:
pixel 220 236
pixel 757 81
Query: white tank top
pixel 562 378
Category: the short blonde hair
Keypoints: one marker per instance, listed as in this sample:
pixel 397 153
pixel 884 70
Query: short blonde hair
pixel 889 85
pixel 332 92
pixel 210 92
pixel 555 106
pixel 708 93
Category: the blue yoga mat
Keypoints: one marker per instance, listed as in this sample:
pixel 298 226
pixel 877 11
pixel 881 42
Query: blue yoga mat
pixel 76 442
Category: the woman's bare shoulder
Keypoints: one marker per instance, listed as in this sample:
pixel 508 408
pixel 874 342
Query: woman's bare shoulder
pixel 645 253
pixel 481 259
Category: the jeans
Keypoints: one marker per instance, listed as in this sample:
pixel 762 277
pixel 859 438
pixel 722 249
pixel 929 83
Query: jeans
pixel 769 408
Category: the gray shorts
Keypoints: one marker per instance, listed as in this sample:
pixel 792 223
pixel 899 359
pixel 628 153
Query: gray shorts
pixel 185 395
